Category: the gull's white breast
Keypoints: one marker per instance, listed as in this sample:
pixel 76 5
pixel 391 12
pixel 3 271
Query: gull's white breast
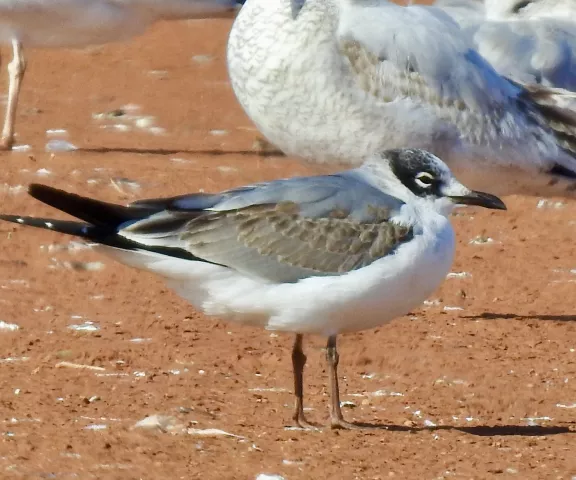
pixel 291 79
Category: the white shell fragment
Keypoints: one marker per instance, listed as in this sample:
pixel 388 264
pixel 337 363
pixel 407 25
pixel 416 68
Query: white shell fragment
pixel 211 432
pixel 8 327
pixel 163 423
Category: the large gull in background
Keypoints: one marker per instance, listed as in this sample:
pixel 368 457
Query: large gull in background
pixel 334 81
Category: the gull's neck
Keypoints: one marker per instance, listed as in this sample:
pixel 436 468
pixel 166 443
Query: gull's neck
pixel 379 175
pixel 291 12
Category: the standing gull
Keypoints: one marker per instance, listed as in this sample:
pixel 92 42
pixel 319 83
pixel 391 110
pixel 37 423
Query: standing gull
pixel 336 80
pixel 314 255
pixel 80 23
pixel 531 41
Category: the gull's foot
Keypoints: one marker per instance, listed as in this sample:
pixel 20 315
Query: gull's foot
pixel 341 424
pixel 304 424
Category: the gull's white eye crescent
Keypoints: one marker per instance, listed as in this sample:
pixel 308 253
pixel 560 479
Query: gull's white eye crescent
pixel 424 179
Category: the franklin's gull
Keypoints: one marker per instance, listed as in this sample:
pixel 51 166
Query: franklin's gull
pixel 313 255
pixel 337 80
pixel 80 23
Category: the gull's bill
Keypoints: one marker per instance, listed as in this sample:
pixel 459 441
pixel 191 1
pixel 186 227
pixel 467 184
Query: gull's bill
pixel 480 199
pixel 461 195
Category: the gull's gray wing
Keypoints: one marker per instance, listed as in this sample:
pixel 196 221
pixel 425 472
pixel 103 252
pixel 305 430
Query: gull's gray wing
pixel 419 53
pixel 537 51
pixel 280 231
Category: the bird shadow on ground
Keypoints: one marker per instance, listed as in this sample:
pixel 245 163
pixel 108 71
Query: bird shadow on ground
pixel 166 151
pixel 513 316
pixel 480 430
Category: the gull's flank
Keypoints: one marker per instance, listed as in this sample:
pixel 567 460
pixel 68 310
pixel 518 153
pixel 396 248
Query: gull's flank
pixel 318 255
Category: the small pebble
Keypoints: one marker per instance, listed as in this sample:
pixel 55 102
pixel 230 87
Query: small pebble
pixel 144 122
pixel 458 275
pixel 480 240
pixel 21 148
pixel 60 146
pixel 85 327
pixel 99 426
pixel 56 132
pixel 164 423
pixel 202 58
pixel 8 327
pixel 211 432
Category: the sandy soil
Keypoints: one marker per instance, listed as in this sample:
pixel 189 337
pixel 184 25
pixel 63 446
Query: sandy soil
pixel 478 383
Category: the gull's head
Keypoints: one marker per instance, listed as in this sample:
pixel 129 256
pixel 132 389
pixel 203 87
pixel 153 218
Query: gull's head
pixel 417 176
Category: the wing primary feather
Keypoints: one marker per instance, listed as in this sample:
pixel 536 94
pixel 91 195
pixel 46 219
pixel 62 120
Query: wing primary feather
pixel 90 210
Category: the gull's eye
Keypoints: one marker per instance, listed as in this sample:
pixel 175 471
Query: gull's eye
pixel 424 179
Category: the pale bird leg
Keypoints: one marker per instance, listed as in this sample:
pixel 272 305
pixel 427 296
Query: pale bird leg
pixel 16 69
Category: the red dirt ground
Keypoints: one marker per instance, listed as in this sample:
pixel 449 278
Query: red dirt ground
pixel 480 383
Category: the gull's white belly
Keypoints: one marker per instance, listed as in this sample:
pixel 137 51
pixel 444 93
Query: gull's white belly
pixel 359 300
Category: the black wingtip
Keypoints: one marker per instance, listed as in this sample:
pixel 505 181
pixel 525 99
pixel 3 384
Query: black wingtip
pixel 12 218
pixel 44 193
pixel 90 210
pixel 36 187
pixel 562 171
pixel 79 229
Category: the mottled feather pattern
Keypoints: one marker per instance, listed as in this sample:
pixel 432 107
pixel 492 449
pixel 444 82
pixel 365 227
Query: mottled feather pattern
pixel 365 65
pixel 321 245
pixel 549 104
pixel 557 108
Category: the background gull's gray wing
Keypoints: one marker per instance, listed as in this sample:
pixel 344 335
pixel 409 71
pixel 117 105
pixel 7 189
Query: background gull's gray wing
pixel 534 51
pixel 280 231
pixel 465 12
pixel 421 53
pixel 538 50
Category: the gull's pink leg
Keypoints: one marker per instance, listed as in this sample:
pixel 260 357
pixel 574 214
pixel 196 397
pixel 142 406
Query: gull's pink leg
pixel 16 69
